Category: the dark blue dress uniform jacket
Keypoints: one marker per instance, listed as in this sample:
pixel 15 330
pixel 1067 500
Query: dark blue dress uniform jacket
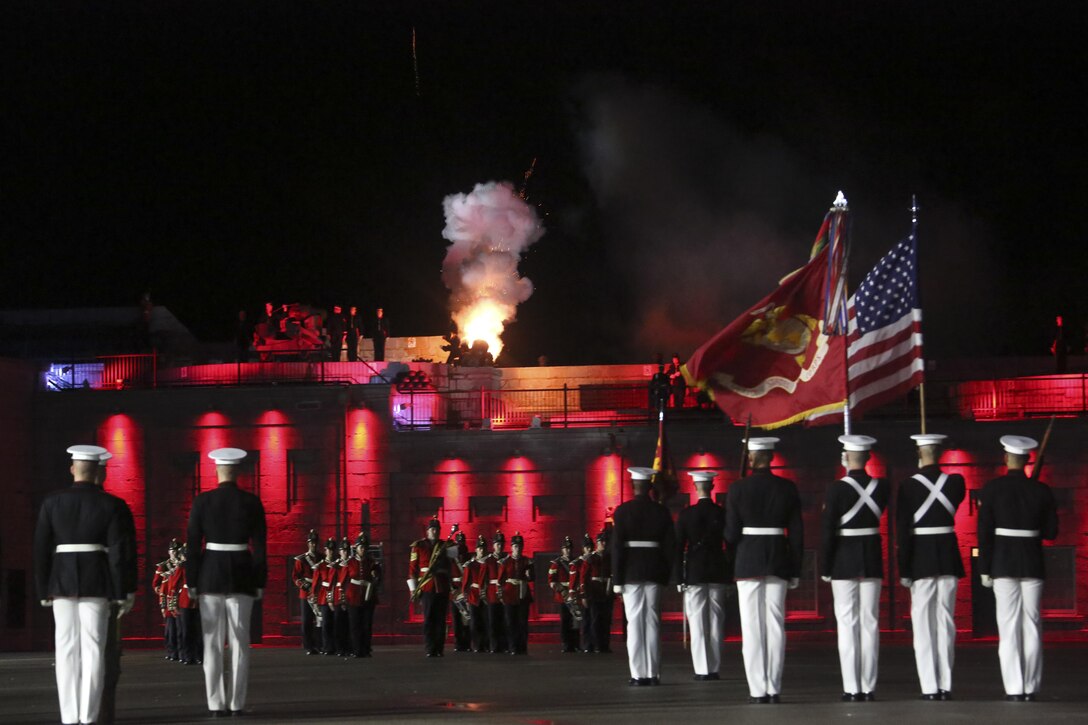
pixel 852 557
pixel 226 515
pixel 700 539
pixel 1014 501
pixel 765 500
pixel 928 555
pixel 641 519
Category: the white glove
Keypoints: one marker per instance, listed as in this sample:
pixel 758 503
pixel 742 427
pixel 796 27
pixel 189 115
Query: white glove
pixel 906 581
pixel 260 593
pixel 411 585
pixel 794 583
pixel 825 579
pixel 126 604
pixel 47 602
pixel 680 588
pixel 987 581
pixel 617 589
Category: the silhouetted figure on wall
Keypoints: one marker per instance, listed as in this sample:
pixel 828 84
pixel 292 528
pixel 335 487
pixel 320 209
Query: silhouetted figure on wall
pixel 243 336
pixel 353 333
pixel 660 389
pixel 452 346
pixel 335 326
pixel 676 382
pixel 379 334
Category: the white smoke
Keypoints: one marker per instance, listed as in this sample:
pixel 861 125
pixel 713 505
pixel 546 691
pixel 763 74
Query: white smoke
pixel 488 230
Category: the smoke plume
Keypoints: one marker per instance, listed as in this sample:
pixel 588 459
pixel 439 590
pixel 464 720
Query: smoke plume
pixel 488 230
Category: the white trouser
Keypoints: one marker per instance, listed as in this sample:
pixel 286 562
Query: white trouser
pixel 222 615
pixel 762 604
pixel 81 624
pixel 857 611
pixel 932 616
pixel 1020 633
pixel 642 604
pixel 704 607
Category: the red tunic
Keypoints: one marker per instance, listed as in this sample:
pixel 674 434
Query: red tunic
pixel 475 581
pixel 303 573
pixel 359 581
pixel 559 578
pixel 516 575
pixel 172 590
pixel 423 555
pixel 324 581
pixel 158 584
pixel 492 593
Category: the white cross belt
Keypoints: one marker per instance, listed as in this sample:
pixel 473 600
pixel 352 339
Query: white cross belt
pixel 762 531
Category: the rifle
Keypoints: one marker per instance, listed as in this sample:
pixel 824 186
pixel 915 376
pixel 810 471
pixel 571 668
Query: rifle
pixel 1038 468
pixel 744 451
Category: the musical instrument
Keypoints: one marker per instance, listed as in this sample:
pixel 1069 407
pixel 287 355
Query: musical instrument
pixel 461 603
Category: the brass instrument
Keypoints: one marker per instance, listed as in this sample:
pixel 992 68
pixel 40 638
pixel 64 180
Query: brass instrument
pixel 463 609
pixel 575 607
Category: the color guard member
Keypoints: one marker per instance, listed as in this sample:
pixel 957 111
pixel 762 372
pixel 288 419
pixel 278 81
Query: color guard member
pixel 700 529
pixel 1015 515
pixel 930 564
pixel 851 558
pixel 643 542
pixel 763 524
pixel 429 581
pixel 83 558
pixel 227 571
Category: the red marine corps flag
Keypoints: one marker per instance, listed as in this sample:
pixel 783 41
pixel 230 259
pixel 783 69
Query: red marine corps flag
pixel 779 362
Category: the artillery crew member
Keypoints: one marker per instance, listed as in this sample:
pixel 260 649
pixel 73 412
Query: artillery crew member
pixel 324 585
pixel 474 586
pixel 700 529
pixel 429 582
pixel 160 584
pixel 496 627
pixel 559 581
pixel 643 542
pixel 1015 515
pixel 302 574
pixel 516 574
pixel 227 570
pixel 851 559
pixel 763 525
pixel 84 557
pixel 359 582
pixel 930 564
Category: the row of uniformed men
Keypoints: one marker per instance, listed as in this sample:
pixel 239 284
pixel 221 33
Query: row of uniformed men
pixel 181 616
pixel 338 594
pixel 85 570
pixel 762 522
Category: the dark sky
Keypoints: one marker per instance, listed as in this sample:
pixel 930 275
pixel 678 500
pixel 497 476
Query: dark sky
pixel 219 154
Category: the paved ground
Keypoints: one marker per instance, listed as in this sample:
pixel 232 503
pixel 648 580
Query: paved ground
pixel 400 685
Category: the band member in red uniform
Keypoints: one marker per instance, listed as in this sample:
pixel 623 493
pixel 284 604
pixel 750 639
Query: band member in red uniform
pixel 429 582
pixel 579 574
pixel 177 601
pixel 516 576
pixel 340 605
pixel 360 577
pixel 192 652
pixel 496 626
pixel 303 575
pixel 602 599
pixel 324 581
pixel 559 581
pixel 160 585
pixel 474 586
pixel 462 635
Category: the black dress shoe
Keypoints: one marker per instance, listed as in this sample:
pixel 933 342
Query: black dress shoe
pixel 774 699
pixel 310 652
pixel 944 694
pixel 431 654
pixel 929 696
pixel 759 700
pixel 1029 697
pixel 1014 698
pixel 634 682
pixel 655 681
pixel 850 697
pixel 866 697
pixel 700 678
pixel 219 713
pixel 237 713
pixel 713 676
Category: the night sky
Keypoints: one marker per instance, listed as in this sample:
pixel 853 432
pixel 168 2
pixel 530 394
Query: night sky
pixel 221 154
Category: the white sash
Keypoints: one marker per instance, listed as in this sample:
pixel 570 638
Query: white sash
pixel 865 498
pixel 935 494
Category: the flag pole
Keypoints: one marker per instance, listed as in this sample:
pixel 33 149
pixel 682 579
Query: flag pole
pixel 914 235
pixel 839 208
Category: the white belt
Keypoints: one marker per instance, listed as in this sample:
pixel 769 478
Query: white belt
pixel 492 581
pixel 642 544
pixel 927 530
pixel 457 579
pixel 1019 533
pixel 762 531
pixel 476 586
pixel 424 568
pixel 360 581
pixel 212 546
pixel 598 578
pixel 79 548
pixel 326 584
pixel 859 532
pixel 513 581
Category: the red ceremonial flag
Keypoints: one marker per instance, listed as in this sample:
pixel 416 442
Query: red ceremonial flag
pixel 776 362
pixel 664 482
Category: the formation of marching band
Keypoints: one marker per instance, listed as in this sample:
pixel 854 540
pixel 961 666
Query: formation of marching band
pixel 85 566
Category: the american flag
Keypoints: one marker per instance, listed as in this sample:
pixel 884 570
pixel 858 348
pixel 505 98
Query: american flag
pixel 884 340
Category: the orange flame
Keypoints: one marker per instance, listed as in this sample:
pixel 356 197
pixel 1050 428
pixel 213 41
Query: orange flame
pixel 483 320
